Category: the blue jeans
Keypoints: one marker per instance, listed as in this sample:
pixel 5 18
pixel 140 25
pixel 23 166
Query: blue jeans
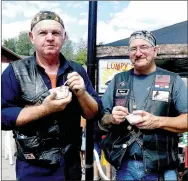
pixel 134 170
pixel 170 175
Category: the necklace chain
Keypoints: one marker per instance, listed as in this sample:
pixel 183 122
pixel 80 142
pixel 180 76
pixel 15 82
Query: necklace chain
pixel 145 100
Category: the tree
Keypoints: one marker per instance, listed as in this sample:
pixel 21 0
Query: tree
pixel 67 49
pixel 10 44
pixel 81 45
pixel 24 45
pixel 81 55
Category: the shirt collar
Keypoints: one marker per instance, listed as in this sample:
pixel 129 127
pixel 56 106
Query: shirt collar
pixel 64 64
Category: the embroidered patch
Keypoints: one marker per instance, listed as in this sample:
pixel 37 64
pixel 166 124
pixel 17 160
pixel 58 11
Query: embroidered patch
pixel 162 81
pixel 29 156
pixel 120 102
pixel 122 91
pixel 121 84
pixel 160 96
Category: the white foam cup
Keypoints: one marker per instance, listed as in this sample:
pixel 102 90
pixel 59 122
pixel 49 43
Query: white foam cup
pixel 134 118
pixel 62 92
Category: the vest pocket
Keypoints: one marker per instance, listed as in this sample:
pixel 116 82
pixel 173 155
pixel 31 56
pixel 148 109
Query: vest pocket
pixel 28 143
pixel 114 148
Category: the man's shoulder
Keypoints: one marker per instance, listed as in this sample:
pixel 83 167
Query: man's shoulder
pixel 122 74
pixel 24 60
pixel 23 64
pixel 166 71
pixel 75 65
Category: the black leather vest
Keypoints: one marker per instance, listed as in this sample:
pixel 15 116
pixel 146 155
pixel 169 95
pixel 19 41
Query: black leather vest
pixel 45 144
pixel 160 147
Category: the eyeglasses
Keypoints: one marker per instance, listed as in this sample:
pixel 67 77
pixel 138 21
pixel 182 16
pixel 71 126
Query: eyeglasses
pixel 142 49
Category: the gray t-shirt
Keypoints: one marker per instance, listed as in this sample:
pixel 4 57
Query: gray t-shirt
pixel 141 88
pixel 142 85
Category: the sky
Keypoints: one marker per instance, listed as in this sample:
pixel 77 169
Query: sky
pixel 115 19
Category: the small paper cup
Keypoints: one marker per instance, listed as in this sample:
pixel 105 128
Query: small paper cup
pixel 133 119
pixel 62 92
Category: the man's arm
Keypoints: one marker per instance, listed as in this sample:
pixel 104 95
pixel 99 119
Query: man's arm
pixel 177 124
pixel 31 113
pixel 88 105
pixel 11 99
pixel 88 99
pixel 180 123
pixel 15 114
pixel 106 122
pixel 118 116
pixel 49 106
pixel 174 124
pixel 108 102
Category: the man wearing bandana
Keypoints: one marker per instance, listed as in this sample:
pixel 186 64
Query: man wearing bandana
pixel 148 148
pixel 46 126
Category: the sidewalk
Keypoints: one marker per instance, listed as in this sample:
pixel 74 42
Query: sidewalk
pixel 7 170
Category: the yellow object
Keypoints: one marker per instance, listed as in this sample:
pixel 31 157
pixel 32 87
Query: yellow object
pixel 103 160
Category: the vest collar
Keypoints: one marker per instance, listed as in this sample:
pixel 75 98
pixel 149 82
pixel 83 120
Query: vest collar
pixel 64 64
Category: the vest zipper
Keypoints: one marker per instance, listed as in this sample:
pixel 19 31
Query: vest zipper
pixel 112 146
pixel 157 146
pixel 143 153
pixel 173 156
pixel 168 151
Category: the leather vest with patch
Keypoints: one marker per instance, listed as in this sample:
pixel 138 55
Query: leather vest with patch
pixel 45 145
pixel 160 147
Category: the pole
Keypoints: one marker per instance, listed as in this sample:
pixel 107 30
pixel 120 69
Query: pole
pixel 91 57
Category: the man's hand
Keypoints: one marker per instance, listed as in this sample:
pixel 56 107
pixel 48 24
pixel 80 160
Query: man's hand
pixel 76 84
pixel 55 105
pixel 148 121
pixel 48 106
pixel 118 114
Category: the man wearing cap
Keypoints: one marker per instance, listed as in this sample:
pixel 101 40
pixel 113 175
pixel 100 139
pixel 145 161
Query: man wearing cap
pixel 146 149
pixel 46 129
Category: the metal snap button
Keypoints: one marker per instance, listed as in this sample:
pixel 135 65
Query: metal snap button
pixel 129 127
pixel 124 145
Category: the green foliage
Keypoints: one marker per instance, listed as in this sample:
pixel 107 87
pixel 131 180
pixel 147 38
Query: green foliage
pixel 81 57
pixel 10 44
pixel 67 49
pixel 81 45
pixel 21 45
pixel 24 45
pixel 81 53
